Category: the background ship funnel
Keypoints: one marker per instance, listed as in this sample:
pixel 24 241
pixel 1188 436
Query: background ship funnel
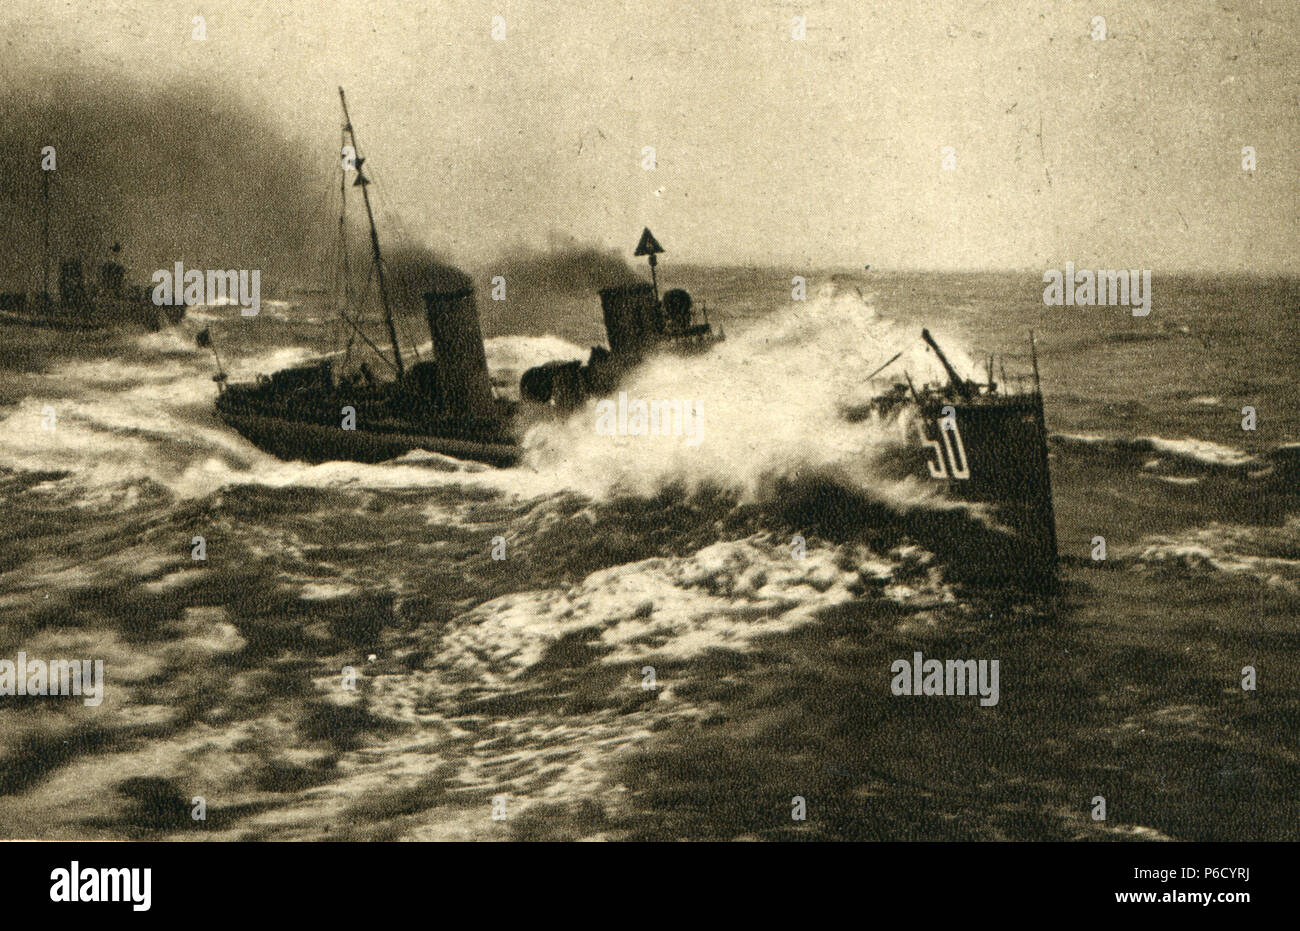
pixel 72 288
pixel 463 383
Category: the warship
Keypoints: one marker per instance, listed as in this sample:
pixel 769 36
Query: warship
pixel 446 404
pixel 329 410
pixel 443 405
pixel 985 443
pixel 105 303
pixel 638 322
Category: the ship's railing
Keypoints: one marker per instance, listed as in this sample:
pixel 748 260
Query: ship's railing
pixel 1013 387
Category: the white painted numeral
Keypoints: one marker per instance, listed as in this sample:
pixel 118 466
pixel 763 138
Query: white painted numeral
pixel 955 459
pixel 936 471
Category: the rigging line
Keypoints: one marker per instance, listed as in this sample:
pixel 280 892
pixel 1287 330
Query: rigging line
pixel 406 334
pixel 374 243
pixel 341 308
pixel 400 322
pixel 346 272
pixel 339 277
pixel 391 216
pixel 383 202
pixel 387 361
pixel 364 296
pixel 355 327
pixel 344 294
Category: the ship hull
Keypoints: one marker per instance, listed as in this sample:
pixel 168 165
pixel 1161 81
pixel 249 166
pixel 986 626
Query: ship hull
pixel 50 323
pixel 116 315
pixel 310 442
pixel 994 454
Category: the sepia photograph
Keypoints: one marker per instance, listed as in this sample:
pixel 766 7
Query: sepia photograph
pixel 826 421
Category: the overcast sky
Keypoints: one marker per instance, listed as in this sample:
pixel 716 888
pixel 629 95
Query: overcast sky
pixel 1118 153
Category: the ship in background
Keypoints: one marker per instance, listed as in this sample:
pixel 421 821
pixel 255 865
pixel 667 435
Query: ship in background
pixel 105 303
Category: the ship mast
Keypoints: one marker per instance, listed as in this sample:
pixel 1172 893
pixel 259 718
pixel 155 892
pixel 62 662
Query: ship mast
pixel 44 299
pixel 343 277
pixel 362 182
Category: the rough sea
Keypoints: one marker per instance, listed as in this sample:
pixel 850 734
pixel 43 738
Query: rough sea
pixel 656 656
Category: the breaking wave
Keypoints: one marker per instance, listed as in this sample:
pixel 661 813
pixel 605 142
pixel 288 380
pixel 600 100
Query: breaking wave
pixel 1267 555
pixel 1185 459
pixel 769 399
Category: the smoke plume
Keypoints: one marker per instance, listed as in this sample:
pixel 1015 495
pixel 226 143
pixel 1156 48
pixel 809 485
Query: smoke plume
pixel 171 174
pixel 414 270
pixel 553 290
pixel 566 267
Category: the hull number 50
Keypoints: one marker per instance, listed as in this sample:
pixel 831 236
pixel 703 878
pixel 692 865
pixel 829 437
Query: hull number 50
pixel 949 451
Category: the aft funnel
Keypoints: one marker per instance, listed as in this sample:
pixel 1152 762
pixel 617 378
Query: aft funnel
pixel 632 317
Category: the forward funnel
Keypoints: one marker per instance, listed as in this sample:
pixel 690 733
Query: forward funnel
pixel 463 383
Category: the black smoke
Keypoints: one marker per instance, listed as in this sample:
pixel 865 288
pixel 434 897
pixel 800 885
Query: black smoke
pixel 566 267
pixel 553 290
pixel 414 270
pixel 178 173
